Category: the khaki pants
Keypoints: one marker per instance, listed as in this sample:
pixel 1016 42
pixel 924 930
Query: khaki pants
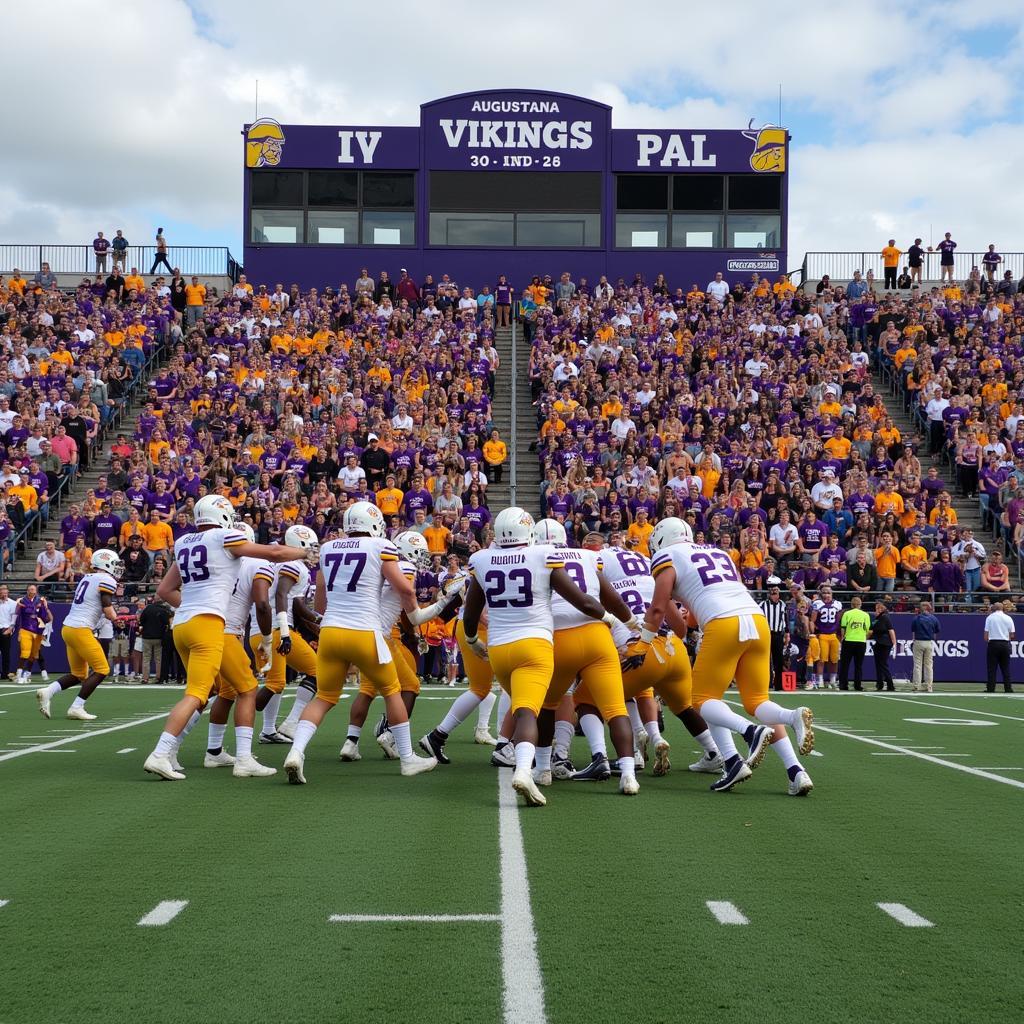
pixel 152 650
pixel 923 654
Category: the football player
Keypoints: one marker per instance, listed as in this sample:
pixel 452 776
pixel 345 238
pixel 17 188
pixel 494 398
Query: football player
pixel 348 597
pixel 514 580
pixel 735 645
pixel 31 613
pixel 92 603
pixel 823 645
pixel 198 585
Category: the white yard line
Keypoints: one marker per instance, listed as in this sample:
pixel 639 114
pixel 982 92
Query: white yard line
pixel 924 757
pixel 127 750
pixel 523 995
pixel 163 913
pixel 988 769
pixel 83 736
pixel 726 913
pixel 419 918
pixel 16 693
pixel 946 707
pixel 3 903
pixel 905 916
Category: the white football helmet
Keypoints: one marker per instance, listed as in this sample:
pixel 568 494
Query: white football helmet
pixel 670 531
pixel 512 527
pixel 549 531
pixel 214 510
pixel 245 530
pixel 413 548
pixel 107 561
pixel 303 537
pixel 364 517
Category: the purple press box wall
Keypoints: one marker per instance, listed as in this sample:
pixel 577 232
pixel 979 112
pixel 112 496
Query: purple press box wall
pixel 959 654
pixel 576 135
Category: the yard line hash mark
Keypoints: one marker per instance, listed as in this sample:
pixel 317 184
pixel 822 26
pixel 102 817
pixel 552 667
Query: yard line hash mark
pixel 163 913
pixel 127 750
pixel 87 735
pixel 725 912
pixel 419 918
pixel 905 916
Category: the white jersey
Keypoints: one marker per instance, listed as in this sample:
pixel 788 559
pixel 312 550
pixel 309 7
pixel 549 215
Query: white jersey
pixel 637 592
pixel 390 602
pixel 707 581
pixel 351 569
pixel 240 606
pixel 87 605
pixel 208 572
pixel 620 564
pixel 584 568
pixel 298 573
pixel 517 588
pixel 105 630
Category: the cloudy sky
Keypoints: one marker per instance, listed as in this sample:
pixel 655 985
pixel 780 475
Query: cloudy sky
pixel 128 115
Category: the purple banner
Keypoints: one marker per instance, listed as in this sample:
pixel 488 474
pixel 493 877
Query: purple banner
pixel 762 150
pixel 272 145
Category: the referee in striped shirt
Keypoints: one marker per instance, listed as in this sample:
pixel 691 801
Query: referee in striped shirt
pixel 774 610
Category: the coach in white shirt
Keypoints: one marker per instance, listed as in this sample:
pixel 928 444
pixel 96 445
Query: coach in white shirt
pixel 8 606
pixel 999 633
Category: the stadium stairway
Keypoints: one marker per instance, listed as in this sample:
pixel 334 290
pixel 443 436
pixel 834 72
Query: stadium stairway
pixel 967 511
pixel 527 467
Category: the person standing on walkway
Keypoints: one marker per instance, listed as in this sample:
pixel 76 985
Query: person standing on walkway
pixel 925 628
pixel 854 627
pixel 774 610
pixel 100 248
pixel 890 262
pixel 884 638
pixel 161 253
pixel 999 633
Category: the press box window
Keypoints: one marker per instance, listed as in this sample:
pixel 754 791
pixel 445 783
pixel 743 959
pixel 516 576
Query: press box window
pixel 280 227
pixel 332 227
pixel 333 188
pixel 277 188
pixel 698 192
pixel 641 192
pixel 755 192
pixel 388 191
pixel 755 231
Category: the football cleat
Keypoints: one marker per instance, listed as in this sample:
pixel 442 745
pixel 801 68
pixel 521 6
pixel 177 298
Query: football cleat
pixel 386 742
pixel 350 751
pixel 382 726
pixel 599 770
pixel 661 762
pixel 175 763
pixel 287 729
pixel 43 697
pixel 273 737
pixel 504 756
pixel 45 675
pixel 710 763
pixel 562 768
pixel 803 730
pixel 221 760
pixel 641 744
pixel 80 714
pixel 733 776
pixel 161 765
pixel 759 746
pixel 639 758
pixel 293 765
pixel 250 768
pixel 432 746
pixel 483 737
pixel 801 785
pixel 628 786
pixel 542 776
pixel 416 765
pixel 523 784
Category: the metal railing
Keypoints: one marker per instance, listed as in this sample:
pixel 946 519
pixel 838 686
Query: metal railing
pixel 840 265
pixel 80 259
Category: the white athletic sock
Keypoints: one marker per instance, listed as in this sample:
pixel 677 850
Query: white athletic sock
pixel 303 734
pixel 784 748
pixel 303 696
pixel 717 712
pixel 270 715
pixel 593 729
pixel 833 680
pixel 821 680
pixel 723 740
pixel 20 676
pixel 166 745
pixel 705 740
pixel 189 726
pixel 564 733
pixel 524 756
pixel 775 714
pixel 354 731
pixel 653 732
pixel 403 740
pixel 504 703
pixel 458 712
pixel 215 737
pixel 543 757
pixel 483 714
pixel 634 719
pixel 243 740
pixel 78 703
pixel 627 766
pixel 53 689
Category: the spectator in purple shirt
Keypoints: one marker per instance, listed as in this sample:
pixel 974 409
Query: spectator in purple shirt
pixel 72 526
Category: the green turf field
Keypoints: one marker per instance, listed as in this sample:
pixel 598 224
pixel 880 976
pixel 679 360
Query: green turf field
pixel 609 921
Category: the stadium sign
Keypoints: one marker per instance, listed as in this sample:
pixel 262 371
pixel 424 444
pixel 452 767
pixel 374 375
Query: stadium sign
pixel 765 264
